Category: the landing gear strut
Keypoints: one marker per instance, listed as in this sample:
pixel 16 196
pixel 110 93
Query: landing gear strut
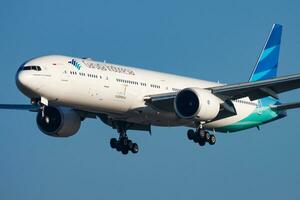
pixel 201 136
pixel 123 144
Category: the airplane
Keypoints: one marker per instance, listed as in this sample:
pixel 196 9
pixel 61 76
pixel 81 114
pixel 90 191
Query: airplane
pixel 64 91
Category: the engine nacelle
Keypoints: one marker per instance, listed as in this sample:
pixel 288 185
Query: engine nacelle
pixel 58 121
pixel 196 103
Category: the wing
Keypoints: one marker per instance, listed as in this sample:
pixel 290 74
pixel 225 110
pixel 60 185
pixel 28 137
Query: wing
pixel 165 103
pixel 253 90
pixel 36 108
pixel 258 89
pixel 161 102
pixel 29 107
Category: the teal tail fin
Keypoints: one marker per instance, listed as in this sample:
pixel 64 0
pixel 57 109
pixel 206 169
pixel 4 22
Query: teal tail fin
pixel 267 64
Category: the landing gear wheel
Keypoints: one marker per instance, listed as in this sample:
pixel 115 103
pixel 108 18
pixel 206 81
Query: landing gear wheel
pixel 123 143
pixel 201 136
pixel 113 143
pixel 196 138
pixel 206 136
pixel 190 134
pixel 212 140
pixel 119 146
pixel 135 148
pixel 124 151
pixel 202 142
pixel 129 144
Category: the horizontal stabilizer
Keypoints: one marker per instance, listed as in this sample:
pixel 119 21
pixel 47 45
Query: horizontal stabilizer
pixel 285 106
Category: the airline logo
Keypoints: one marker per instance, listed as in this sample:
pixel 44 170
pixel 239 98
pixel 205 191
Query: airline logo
pixel 75 64
pixel 108 67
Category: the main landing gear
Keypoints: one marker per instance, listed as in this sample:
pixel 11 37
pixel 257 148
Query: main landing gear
pixel 123 144
pixel 201 136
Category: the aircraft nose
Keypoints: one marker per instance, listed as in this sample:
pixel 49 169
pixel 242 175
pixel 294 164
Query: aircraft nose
pixel 26 82
pixel 22 79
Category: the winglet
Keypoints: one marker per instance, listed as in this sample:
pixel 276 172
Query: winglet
pixel 266 66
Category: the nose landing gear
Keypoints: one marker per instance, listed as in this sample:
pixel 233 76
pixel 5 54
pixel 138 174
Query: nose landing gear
pixel 201 136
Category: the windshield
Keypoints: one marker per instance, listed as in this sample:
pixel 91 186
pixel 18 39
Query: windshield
pixel 34 67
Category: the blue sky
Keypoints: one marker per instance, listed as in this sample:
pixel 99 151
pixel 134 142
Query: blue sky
pixel 214 40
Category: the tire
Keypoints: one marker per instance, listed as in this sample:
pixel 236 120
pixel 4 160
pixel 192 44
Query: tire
pixel 202 142
pixel 113 143
pixel 196 138
pixel 135 148
pixel 212 140
pixel 119 146
pixel 124 151
pixel 190 134
pixel 129 144
pixel 206 136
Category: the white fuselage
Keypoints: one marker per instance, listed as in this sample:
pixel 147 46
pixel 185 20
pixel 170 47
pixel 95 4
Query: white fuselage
pixel 119 91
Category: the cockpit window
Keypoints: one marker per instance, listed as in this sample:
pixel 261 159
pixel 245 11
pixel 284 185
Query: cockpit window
pixel 27 68
pixel 36 68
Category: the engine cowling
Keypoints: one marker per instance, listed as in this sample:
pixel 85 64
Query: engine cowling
pixel 58 121
pixel 196 103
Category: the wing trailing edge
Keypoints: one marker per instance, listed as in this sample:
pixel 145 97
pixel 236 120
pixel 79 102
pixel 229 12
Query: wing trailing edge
pixel 258 89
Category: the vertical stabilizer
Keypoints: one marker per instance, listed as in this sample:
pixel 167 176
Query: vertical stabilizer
pixel 267 64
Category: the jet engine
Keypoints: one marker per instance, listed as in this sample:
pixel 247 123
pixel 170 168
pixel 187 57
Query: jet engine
pixel 58 121
pixel 196 103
